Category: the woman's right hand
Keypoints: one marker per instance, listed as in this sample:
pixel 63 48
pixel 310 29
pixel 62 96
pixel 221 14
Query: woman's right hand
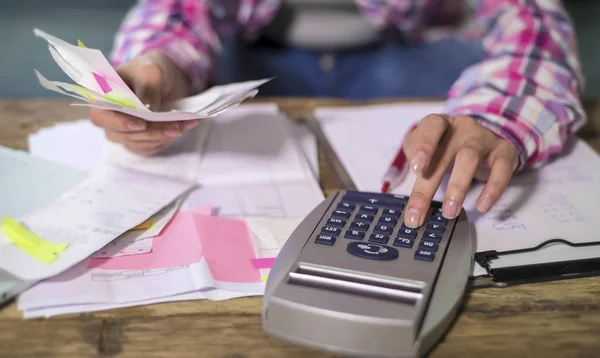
pixel 155 79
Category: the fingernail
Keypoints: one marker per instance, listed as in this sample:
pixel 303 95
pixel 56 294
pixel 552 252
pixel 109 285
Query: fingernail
pixel 419 162
pixel 173 130
pixel 413 218
pixel 484 204
pixel 136 124
pixel 189 125
pixel 449 209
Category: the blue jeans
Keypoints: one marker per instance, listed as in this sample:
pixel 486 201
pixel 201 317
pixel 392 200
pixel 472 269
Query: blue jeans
pixel 385 71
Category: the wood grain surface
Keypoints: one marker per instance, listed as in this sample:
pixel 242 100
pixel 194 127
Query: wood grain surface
pixel 555 319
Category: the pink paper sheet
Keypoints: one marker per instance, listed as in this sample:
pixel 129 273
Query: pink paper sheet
pixel 228 248
pixel 263 263
pixel 177 245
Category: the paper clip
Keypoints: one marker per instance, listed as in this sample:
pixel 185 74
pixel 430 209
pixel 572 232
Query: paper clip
pixel 36 247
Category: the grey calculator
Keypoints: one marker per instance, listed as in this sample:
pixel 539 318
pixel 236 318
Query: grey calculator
pixel 352 279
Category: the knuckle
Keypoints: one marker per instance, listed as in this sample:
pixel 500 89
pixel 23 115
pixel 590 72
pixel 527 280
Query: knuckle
pixel 435 120
pixel 457 190
pixel 462 120
pixel 469 153
pixel 419 199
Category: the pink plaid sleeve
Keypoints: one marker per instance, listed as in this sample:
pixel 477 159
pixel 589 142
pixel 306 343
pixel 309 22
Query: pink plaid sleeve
pixel 182 29
pixel 527 89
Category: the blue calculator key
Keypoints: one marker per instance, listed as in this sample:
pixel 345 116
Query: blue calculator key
pixel 383 229
pixel 424 255
pixel 372 251
pixel 345 206
pixel 342 214
pixel 428 245
pixel 330 230
pixel 387 220
pixel 439 228
pixel 436 211
pixel 379 238
pixel 336 222
pixel 354 234
pixel 404 227
pixel 395 213
pixel 438 219
pixel 408 233
pixel 432 236
pixel 364 217
pixel 367 210
pixel 403 242
pixel 359 225
pixel 325 240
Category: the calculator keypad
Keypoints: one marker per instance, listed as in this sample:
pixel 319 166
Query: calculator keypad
pixel 369 225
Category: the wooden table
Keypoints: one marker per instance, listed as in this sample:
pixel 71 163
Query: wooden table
pixel 557 319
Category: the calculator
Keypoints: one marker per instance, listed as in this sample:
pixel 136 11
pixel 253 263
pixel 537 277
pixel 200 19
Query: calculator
pixel 352 279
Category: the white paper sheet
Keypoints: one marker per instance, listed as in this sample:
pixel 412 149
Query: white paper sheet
pixel 557 201
pixel 108 203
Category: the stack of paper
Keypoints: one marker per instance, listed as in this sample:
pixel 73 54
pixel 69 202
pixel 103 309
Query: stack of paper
pixel 99 85
pixel 198 256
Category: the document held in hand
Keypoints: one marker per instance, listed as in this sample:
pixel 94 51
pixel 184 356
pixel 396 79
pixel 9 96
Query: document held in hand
pixel 98 85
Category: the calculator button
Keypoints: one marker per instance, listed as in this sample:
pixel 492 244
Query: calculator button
pixel 435 228
pixel 359 225
pixel 395 213
pixel 438 219
pixel 432 236
pixel 368 210
pixel 330 230
pixel 403 242
pixel 354 235
pixel 379 238
pixel 424 255
pixel 336 222
pixel 364 217
pixel 383 229
pixel 428 245
pixel 341 214
pixel 325 240
pixel 387 220
pixel 436 211
pixel 408 233
pixel 372 251
pixel 345 206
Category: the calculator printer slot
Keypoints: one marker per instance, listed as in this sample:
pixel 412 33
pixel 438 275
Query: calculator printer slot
pixel 408 292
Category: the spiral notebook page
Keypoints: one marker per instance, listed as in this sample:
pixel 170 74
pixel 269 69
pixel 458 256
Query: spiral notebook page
pixel 556 201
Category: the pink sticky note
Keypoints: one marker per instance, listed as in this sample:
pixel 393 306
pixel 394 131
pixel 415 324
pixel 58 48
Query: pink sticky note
pixel 177 245
pixel 228 248
pixel 102 82
pixel 263 263
pixel 202 210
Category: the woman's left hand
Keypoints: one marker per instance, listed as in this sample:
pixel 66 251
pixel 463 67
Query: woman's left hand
pixel 461 146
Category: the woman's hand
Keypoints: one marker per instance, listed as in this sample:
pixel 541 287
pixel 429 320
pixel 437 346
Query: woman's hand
pixel 155 79
pixel 461 146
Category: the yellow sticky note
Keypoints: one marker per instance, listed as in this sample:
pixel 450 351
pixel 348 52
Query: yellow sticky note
pixel 264 278
pixel 121 98
pixel 145 225
pixel 33 245
pixel 81 44
pixel 84 91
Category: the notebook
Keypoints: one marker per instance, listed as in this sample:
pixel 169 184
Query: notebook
pixel 544 226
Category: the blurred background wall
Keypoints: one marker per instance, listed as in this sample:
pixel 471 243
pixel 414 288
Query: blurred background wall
pixel 95 22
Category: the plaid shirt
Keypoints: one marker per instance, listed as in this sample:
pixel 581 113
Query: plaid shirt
pixel 526 90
